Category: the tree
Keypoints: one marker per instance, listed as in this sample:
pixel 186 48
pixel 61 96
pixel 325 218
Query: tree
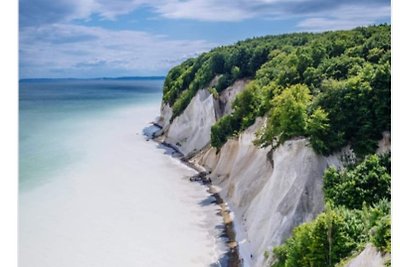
pixel 317 128
pixel 217 63
pixel 235 72
pixel 322 242
pixel 347 72
pixel 368 182
pixel 220 131
pixel 288 115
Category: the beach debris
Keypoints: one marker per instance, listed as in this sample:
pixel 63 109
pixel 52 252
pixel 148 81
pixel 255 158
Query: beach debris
pixel 201 177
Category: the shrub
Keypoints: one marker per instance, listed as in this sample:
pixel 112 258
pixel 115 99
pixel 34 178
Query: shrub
pixel 335 235
pixel 221 130
pixel 382 236
pixel 322 242
pixel 368 182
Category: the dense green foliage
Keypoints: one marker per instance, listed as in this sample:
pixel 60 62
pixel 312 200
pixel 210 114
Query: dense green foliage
pixel 382 237
pixel 288 114
pixel 238 120
pixel 357 212
pixel 368 182
pixel 348 77
pixel 228 63
pixel 334 235
pixel 360 108
pixel 322 242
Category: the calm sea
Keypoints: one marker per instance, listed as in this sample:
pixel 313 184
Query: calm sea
pixel 95 192
pixel 51 112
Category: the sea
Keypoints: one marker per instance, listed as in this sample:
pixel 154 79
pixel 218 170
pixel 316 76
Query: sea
pixel 94 191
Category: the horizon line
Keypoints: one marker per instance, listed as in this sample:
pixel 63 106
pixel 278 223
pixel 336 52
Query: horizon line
pixel 150 77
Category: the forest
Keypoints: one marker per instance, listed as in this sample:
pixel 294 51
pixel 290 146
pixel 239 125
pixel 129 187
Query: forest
pixel 307 84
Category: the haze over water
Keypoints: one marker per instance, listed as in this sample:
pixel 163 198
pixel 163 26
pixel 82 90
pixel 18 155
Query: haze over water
pixel 94 192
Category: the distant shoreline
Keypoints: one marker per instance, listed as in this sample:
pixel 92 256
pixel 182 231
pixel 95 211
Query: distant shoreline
pixel 94 79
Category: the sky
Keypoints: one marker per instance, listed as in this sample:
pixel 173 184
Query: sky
pixel 114 38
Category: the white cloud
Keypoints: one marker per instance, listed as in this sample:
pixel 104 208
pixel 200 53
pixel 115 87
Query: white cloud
pixel 322 24
pixel 80 50
pixel 345 17
pixel 211 10
pixel 44 11
pixel 106 8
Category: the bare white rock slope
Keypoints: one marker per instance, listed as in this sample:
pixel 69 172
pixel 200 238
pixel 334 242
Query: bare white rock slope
pixel 270 192
pixel 166 114
pixel 190 131
pixel 369 257
pixel 227 97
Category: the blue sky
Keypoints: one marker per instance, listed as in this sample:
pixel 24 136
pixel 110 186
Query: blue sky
pixel 100 38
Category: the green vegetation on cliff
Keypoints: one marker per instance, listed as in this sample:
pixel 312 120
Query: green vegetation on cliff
pixel 357 212
pixel 343 79
pixel 335 89
pixel 368 182
pixel 335 235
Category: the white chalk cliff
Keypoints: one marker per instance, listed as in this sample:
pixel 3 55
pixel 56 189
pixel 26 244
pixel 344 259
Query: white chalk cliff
pixel 370 257
pixel 270 192
pixel 190 131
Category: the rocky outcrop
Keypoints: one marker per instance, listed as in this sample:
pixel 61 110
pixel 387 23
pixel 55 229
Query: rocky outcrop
pixel 370 257
pixel 165 116
pixel 384 144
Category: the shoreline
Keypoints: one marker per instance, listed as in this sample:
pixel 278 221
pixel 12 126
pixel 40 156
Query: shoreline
pixel 96 207
pixel 225 213
pixel 233 257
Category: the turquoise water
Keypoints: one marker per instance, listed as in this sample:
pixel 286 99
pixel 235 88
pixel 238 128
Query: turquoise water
pixel 95 192
pixel 52 112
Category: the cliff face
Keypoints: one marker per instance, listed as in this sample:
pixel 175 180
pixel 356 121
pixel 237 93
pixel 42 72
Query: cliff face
pixel 370 256
pixel 337 94
pixel 270 192
pixel 190 131
pixel 228 95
